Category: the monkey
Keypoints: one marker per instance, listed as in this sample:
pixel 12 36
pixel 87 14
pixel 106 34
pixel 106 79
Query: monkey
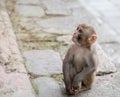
pixel 81 60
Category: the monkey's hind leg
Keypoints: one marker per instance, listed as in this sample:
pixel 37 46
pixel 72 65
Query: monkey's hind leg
pixel 87 83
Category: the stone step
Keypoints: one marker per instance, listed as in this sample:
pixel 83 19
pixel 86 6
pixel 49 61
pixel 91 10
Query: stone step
pixel 14 81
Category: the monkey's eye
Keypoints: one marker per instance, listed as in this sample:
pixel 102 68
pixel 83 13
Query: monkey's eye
pixel 77 28
pixel 80 31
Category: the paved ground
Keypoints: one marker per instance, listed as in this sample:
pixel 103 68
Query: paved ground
pixel 43 29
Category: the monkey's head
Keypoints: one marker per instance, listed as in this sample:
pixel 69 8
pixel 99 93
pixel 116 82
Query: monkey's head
pixel 84 35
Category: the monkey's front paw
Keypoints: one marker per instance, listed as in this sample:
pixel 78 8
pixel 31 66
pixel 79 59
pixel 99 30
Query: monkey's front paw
pixel 70 92
pixel 75 86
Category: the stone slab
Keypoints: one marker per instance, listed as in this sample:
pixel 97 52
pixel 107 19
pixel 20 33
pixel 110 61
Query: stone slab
pixel 15 85
pixel 47 87
pixel 43 62
pixel 106 66
pixel 112 50
pixel 55 7
pixel 27 1
pixel 29 10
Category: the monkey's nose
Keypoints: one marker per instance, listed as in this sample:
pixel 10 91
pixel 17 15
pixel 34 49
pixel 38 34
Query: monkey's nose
pixel 75 34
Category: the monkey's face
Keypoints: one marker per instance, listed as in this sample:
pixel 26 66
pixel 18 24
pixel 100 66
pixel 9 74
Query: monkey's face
pixel 84 35
pixel 80 37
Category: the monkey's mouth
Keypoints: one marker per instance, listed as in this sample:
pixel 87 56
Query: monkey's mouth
pixel 74 39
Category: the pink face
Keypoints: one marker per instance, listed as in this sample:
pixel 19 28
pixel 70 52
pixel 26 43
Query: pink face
pixel 77 36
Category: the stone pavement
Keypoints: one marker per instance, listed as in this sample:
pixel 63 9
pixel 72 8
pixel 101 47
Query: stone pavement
pixel 44 29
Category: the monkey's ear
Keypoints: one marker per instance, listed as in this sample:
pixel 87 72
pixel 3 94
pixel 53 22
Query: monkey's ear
pixel 93 39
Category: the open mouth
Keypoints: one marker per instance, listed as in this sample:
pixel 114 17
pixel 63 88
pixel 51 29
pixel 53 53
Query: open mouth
pixel 73 39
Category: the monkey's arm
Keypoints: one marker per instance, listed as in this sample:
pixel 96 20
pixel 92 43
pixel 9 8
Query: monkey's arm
pixel 91 68
pixel 66 70
pixel 66 75
pixel 86 72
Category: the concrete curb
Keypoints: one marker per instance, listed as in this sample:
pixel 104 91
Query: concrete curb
pixel 14 81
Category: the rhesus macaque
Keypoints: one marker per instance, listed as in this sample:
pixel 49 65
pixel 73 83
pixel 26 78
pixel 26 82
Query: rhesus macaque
pixel 81 61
